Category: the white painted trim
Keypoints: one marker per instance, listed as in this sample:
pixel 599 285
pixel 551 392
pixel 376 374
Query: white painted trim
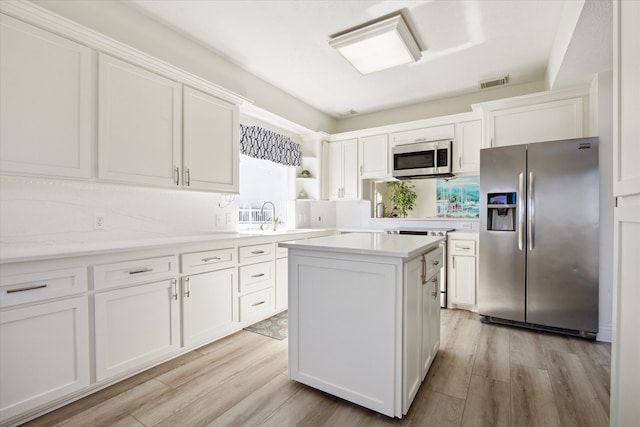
pixel 38 16
pixel 416 124
pixel 605 333
pixel 531 98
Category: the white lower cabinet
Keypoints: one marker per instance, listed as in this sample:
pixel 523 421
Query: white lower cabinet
pixel 412 363
pixel 282 284
pixel 135 326
pixel 430 321
pixel 44 354
pixel 462 272
pixel 207 306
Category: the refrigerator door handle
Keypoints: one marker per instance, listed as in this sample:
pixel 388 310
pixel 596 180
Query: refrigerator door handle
pixel 531 211
pixel 520 211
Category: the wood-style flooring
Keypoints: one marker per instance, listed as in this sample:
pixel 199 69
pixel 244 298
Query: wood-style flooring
pixel 484 375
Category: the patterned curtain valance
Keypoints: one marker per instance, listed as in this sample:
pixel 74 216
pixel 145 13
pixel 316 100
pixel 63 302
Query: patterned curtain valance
pixel 264 144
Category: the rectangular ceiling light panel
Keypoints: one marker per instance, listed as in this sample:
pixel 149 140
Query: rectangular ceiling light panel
pixel 378 46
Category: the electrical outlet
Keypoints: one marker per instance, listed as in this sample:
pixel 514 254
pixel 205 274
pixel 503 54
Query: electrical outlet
pixel 99 221
pixel 227 218
pixel 218 220
pixel 466 226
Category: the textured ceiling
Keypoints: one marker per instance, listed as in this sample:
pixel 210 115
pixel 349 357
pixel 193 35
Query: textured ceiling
pixel 286 44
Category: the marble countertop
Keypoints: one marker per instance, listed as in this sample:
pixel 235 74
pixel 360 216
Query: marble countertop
pixel 391 245
pixel 41 251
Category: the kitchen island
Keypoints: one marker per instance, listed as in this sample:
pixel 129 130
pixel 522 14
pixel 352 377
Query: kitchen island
pixel 364 316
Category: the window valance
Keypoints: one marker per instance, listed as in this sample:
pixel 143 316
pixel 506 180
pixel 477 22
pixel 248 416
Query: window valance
pixel 268 145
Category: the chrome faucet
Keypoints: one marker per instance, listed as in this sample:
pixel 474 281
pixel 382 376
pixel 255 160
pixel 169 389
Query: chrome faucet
pixel 274 218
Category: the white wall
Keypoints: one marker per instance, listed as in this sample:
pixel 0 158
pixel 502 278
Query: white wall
pixel 47 211
pixel 601 97
pixel 437 108
pixel 127 25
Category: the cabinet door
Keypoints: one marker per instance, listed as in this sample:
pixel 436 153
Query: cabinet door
pixel 548 121
pixel 135 326
pixel 335 157
pixel 44 354
pixel 463 280
pixel 139 115
pixel 210 142
pixel 282 284
pixel 412 331
pixel 466 148
pixel 46 103
pixel 207 306
pixel 430 322
pixel 374 156
pixel 350 171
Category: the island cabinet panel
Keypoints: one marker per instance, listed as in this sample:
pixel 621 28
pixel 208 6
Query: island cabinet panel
pixel 351 353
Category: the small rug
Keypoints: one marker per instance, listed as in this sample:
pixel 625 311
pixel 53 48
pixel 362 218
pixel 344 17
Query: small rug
pixel 275 326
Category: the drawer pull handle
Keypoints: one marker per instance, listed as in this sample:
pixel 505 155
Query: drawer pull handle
pixel 464 248
pixel 257 303
pixel 258 275
pixel 213 258
pixel 28 288
pixel 436 262
pixel 257 252
pixel 434 294
pixel 144 270
pixel 435 279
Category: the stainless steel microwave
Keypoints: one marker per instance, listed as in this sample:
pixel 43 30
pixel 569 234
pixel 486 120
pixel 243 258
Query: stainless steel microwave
pixel 422 159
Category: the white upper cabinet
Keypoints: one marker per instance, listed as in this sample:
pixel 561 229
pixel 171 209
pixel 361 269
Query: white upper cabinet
pixel 343 169
pixel 46 102
pixel 432 133
pixel 139 116
pixel 374 156
pixel 546 121
pixel 466 147
pixel 210 142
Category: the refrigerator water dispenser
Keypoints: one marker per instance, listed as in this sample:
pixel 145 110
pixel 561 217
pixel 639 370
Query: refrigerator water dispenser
pixel 501 211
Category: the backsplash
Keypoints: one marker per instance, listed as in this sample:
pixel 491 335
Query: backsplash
pixel 47 211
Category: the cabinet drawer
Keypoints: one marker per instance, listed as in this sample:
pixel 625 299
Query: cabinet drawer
pixel 256 276
pixel 462 247
pixel 434 261
pixel 255 253
pixel 32 287
pixel 131 272
pixel 200 262
pixel 254 304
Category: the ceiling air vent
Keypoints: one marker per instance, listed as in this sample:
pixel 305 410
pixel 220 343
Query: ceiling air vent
pixel 348 113
pixel 496 82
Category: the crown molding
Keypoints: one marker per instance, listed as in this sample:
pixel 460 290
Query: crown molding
pixel 49 21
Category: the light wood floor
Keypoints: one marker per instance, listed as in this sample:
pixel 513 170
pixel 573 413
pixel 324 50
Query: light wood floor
pixel 484 375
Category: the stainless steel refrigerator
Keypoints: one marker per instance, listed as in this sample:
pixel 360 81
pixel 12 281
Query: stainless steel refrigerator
pixel 539 236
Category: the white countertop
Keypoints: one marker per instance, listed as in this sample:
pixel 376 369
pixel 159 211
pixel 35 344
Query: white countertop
pixel 42 251
pixel 392 245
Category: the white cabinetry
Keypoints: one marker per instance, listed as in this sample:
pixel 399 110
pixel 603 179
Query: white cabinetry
pixel 343 169
pixel 433 133
pixel 139 115
pixel 543 121
pixel 625 375
pixel 138 324
pixel 140 125
pixel 256 282
pixel 44 345
pixel 46 103
pixel 207 306
pixel 412 331
pixel 433 262
pixel 462 271
pixel 282 279
pixel 374 156
pixel 466 147
pixel 210 142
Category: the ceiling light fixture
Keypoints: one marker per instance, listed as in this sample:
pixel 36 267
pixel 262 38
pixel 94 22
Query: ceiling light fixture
pixel 377 46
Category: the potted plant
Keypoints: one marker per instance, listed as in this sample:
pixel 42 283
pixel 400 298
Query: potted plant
pixel 402 196
pixel 305 173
